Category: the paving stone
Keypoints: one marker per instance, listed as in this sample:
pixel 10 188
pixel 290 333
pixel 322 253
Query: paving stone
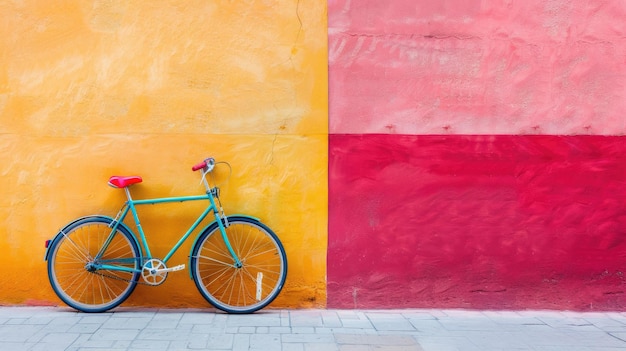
pixel 231 330
pixel 596 338
pixel 397 340
pixel 60 338
pixel 468 323
pixel 445 343
pixel 303 330
pixel 221 341
pixel 568 322
pixel 357 323
pixel 265 320
pixel 345 331
pixel 18 333
pixel 293 347
pixel 392 321
pixel 285 321
pixel 331 320
pixel 15 321
pixel 607 323
pixel 263 330
pixel 149 345
pixel 349 314
pixel 168 315
pixel 94 318
pixel 115 334
pixel 205 329
pixel 492 340
pixel 426 325
pixel 38 320
pixel 380 348
pixel 308 338
pixel 88 343
pixel 321 347
pixel 122 344
pixel 247 330
pixel 197 318
pixel 127 322
pixel 279 330
pixel 162 334
pixel 265 342
pixel 163 324
pixel 241 342
pixel 308 319
pixel 418 315
pixel 18 346
pixel 195 341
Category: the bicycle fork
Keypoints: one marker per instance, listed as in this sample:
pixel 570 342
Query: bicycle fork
pixel 222 222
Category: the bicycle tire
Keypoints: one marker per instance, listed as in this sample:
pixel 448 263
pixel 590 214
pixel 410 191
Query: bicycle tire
pixel 72 252
pixel 248 288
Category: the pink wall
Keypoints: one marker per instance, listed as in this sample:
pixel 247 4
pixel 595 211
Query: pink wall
pixel 476 156
pixel 477 67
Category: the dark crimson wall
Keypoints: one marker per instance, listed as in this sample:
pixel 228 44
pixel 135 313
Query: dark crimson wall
pixel 477 222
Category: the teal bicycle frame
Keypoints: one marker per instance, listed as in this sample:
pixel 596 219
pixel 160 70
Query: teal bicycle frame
pixel 130 206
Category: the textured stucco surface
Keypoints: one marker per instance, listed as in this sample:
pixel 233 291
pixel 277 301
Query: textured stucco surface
pixel 90 89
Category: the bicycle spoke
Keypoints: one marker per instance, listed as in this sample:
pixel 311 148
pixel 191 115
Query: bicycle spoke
pixel 79 252
pixel 221 251
pixel 270 250
pixel 216 261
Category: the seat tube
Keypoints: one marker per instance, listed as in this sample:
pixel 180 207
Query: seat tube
pixel 133 210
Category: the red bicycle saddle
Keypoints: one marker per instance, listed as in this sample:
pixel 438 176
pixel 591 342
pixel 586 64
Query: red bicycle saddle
pixel 123 182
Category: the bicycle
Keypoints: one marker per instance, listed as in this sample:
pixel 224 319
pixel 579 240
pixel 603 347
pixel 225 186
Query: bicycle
pixel 237 263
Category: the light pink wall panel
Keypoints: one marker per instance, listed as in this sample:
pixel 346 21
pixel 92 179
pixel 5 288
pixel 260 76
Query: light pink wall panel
pixel 477 67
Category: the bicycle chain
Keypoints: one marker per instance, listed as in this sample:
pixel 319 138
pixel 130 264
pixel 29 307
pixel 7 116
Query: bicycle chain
pixel 122 279
pixel 125 280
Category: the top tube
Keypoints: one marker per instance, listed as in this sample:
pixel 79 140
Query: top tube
pixel 170 199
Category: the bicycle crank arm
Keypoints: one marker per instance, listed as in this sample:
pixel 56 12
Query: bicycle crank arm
pixel 180 267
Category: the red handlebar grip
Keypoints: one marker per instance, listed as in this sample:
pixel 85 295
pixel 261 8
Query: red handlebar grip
pixel 199 166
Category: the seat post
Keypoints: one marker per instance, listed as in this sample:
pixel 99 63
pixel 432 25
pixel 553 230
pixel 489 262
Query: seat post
pixel 128 194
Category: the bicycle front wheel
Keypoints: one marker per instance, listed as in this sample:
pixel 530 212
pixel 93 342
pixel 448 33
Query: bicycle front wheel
pixel 73 268
pixel 244 289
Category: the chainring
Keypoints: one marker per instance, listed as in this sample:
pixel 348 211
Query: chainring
pixel 150 272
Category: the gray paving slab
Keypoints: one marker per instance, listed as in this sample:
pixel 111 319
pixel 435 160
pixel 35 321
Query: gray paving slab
pixel 48 328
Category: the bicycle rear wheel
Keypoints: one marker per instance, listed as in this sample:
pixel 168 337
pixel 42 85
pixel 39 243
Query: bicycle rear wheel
pixel 73 271
pixel 244 289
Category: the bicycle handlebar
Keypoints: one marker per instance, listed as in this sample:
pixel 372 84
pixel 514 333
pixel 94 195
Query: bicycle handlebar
pixel 208 163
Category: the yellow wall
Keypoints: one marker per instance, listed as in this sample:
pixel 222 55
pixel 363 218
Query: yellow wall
pixel 89 89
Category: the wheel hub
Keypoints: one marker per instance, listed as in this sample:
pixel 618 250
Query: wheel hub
pixel 91 267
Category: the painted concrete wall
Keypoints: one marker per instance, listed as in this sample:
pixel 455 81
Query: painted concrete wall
pixel 92 89
pixel 476 154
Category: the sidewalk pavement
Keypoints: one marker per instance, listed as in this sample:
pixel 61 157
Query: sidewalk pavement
pixel 50 328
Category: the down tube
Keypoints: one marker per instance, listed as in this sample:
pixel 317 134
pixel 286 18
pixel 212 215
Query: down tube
pixel 189 231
